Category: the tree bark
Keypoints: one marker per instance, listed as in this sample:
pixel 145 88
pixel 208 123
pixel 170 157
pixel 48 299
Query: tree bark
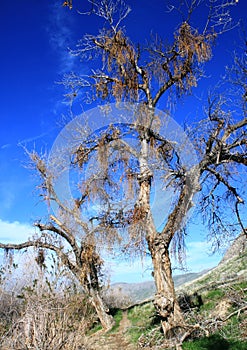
pixel 106 320
pixel 165 298
pixel 166 303
pixel 89 279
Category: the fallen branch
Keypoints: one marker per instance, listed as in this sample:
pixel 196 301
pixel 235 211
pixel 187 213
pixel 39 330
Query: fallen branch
pixel 238 311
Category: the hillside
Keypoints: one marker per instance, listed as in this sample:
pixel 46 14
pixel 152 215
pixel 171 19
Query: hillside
pixel 220 317
pixel 232 268
pixel 238 247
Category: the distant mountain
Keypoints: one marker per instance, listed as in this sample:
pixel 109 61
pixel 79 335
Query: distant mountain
pixel 232 266
pixel 137 292
pixel 187 277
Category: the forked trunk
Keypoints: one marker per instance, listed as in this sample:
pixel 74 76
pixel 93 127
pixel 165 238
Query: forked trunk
pixel 165 302
pixel 106 320
pixel 165 299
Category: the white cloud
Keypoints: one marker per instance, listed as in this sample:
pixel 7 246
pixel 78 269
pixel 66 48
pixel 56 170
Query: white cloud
pixel 60 36
pixel 7 145
pixel 15 232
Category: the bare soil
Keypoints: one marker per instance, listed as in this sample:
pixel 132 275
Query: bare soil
pixel 112 341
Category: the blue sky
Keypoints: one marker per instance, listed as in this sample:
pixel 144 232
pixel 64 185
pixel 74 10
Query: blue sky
pixel 36 35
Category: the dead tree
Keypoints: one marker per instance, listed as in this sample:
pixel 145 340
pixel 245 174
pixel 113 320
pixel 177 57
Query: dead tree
pixel 126 76
pixel 148 76
pixel 71 239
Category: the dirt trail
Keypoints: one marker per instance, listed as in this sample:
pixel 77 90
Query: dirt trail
pixel 115 341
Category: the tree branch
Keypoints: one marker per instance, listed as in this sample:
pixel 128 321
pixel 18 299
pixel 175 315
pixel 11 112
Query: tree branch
pixel 233 127
pixel 236 312
pixel 221 179
pixel 39 244
pixel 51 193
pixel 63 232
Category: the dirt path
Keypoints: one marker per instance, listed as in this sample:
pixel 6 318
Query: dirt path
pixel 115 341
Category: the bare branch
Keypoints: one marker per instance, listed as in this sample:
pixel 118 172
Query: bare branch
pixel 236 312
pixel 231 128
pixel 41 244
pixel 63 232
pixel 114 12
pixel 221 179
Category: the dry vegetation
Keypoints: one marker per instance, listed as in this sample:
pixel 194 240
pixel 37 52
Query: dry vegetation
pixel 44 316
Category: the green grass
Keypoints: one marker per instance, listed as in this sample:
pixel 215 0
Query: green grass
pixel 208 306
pixel 235 328
pixel 215 287
pixel 214 342
pixel 204 280
pixel 117 317
pixel 211 298
pixel 239 286
pixel 215 294
pixel 142 320
pixel 145 324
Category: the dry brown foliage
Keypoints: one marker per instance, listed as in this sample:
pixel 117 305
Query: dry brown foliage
pixel 119 57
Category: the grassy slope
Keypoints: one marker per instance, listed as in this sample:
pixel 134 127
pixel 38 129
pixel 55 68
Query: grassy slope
pixel 223 290
pixel 145 327
pixel 227 280
pixel 233 270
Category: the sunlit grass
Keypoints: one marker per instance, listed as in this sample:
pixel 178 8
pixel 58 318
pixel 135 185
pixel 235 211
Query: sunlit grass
pixel 142 320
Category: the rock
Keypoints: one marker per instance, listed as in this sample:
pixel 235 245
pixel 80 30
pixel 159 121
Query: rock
pixel 237 248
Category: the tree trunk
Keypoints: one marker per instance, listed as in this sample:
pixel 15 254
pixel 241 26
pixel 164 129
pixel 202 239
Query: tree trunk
pixel 106 320
pixel 166 304
pixel 165 301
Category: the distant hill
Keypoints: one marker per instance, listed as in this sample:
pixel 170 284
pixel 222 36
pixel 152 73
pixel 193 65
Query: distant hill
pixel 137 292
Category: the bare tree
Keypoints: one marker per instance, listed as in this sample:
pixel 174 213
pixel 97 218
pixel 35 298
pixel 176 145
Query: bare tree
pixel 130 74
pixel 71 239
pixel 220 140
